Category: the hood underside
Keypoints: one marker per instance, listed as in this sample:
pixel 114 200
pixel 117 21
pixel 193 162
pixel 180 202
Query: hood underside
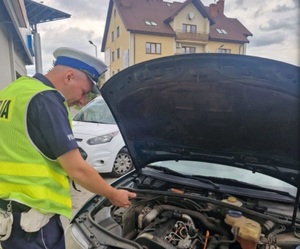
pixel 237 110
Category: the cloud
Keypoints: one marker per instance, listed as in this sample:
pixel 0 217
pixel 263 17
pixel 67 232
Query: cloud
pixel 267 39
pixel 84 9
pixel 282 8
pixel 258 13
pixel 286 8
pixel 276 24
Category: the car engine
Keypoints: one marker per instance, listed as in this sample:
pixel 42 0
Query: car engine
pixel 170 221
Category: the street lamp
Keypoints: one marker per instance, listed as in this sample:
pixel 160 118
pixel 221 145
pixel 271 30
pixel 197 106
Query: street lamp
pixel 96 49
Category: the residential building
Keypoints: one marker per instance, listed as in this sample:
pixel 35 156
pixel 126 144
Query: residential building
pixel 140 30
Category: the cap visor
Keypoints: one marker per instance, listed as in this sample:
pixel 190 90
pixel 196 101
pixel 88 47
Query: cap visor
pixel 95 89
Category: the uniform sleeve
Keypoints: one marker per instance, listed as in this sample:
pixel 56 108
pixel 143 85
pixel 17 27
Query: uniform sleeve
pixel 48 125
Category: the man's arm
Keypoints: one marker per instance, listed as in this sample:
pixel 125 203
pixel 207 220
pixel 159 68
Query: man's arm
pixel 49 129
pixel 86 176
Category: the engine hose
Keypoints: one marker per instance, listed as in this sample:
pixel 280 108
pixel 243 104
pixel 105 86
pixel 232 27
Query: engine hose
pixel 213 243
pixel 227 241
pixel 210 226
pixel 224 246
pixel 224 243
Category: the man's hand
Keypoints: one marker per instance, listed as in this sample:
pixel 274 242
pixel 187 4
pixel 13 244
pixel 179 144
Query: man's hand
pixel 86 176
pixel 121 198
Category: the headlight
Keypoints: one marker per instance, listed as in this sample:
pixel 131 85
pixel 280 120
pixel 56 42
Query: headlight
pixel 74 238
pixel 102 139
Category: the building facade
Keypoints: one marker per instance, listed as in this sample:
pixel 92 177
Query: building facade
pixel 14 41
pixel 141 30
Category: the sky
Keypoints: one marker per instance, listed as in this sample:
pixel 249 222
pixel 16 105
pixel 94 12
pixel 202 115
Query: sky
pixel 273 23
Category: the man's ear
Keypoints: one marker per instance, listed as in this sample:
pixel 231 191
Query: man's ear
pixel 69 76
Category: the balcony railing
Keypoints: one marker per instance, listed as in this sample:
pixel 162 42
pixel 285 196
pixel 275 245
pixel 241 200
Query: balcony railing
pixel 188 36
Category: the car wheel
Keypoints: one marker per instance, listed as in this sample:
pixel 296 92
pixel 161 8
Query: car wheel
pixel 122 164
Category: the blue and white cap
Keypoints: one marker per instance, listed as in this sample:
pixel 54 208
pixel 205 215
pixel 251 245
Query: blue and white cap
pixel 90 65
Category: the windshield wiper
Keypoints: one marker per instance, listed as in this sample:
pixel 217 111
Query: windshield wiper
pixel 176 173
pixel 238 183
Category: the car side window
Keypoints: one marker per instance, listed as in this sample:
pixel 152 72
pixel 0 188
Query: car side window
pixel 90 115
pixel 96 111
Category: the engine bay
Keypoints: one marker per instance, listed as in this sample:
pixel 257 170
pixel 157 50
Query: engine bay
pixel 166 222
pixel 184 219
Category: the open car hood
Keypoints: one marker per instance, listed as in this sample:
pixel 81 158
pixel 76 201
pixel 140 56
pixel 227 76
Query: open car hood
pixel 241 111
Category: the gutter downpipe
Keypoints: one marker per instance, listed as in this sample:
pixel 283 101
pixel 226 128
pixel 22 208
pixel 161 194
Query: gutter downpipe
pixel 134 48
pixel 240 49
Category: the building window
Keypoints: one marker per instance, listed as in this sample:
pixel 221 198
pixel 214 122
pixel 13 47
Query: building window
pixel 224 51
pixel 118 53
pixel 150 23
pixel 112 36
pixel 153 48
pixel 112 56
pixel 118 31
pixel 222 31
pixel 188 28
pixel 188 50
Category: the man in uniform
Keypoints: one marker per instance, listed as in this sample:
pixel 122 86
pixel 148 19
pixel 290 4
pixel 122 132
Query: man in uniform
pixel 39 152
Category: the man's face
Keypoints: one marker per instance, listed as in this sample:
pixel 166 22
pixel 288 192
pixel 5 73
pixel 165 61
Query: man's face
pixel 77 88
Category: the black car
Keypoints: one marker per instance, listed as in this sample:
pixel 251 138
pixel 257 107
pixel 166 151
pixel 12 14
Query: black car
pixel 215 143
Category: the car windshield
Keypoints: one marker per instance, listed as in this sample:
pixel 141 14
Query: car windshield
pixel 227 172
pixel 96 111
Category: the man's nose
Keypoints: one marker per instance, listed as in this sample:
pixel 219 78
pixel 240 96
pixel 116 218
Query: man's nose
pixel 83 101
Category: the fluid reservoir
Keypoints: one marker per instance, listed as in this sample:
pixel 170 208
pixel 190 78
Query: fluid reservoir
pixel 248 230
pixel 233 201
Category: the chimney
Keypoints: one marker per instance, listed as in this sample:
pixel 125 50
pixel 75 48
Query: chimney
pixel 216 8
pixel 213 10
pixel 220 5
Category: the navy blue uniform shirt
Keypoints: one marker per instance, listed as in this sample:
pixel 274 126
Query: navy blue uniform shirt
pixel 48 124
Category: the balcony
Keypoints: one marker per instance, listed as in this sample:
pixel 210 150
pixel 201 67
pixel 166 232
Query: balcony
pixel 192 37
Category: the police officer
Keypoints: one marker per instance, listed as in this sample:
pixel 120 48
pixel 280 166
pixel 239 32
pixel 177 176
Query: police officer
pixel 39 152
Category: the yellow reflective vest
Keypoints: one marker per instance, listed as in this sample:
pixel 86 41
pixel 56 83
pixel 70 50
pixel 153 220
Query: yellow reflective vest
pixel 26 175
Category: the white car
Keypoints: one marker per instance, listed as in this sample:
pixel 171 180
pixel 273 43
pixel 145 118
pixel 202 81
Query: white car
pixel 100 141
